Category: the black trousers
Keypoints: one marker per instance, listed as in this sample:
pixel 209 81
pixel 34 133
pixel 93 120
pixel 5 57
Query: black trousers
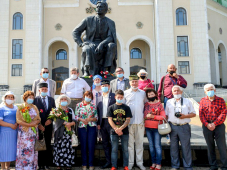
pixel 218 136
pixel 45 158
pixel 106 142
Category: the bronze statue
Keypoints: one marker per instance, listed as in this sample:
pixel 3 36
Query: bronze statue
pixel 99 44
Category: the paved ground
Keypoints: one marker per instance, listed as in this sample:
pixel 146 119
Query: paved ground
pixel 197 139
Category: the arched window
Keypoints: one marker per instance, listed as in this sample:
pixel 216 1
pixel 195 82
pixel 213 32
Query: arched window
pixel 17 21
pixel 61 55
pixel 136 53
pixel 181 16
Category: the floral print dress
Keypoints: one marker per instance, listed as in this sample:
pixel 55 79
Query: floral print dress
pixel 27 157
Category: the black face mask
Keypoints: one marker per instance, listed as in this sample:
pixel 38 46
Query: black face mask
pixel 142 77
pixel 171 72
pixel 151 98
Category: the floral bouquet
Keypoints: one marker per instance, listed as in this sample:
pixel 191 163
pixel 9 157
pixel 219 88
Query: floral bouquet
pixel 59 113
pixel 154 112
pixel 24 110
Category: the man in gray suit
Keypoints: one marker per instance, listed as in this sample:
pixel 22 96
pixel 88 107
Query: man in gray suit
pixel 120 82
pixel 44 79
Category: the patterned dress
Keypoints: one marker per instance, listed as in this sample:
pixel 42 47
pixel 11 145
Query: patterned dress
pixel 63 151
pixel 27 157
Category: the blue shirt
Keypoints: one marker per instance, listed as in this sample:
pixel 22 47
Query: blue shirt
pixel 121 84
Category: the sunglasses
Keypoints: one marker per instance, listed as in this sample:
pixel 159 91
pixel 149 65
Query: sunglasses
pixel 45 72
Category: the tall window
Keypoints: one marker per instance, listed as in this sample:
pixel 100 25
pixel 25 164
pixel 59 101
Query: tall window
pixel 17 49
pixel 181 16
pixel 61 55
pixel 17 21
pixel 182 46
pixel 17 70
pixel 136 53
pixel 183 67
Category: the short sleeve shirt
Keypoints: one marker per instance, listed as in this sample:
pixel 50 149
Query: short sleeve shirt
pixel 119 113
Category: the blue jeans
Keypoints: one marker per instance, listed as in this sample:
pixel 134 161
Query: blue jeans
pixel 87 140
pixel 165 101
pixel 114 153
pixel 155 146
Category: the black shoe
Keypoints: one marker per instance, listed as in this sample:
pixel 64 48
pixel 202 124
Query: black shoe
pixel 107 165
pixel 41 168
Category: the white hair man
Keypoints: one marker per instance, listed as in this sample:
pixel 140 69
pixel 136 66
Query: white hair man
pixel 179 111
pixel 212 113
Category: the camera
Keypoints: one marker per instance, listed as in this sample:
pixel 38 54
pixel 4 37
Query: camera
pixel 177 114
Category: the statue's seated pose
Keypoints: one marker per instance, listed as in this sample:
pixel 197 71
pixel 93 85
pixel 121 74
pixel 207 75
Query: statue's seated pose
pixel 99 45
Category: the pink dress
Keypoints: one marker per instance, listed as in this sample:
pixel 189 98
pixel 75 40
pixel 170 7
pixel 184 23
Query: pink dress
pixel 146 83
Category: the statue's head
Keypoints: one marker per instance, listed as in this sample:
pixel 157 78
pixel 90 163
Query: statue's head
pixel 102 7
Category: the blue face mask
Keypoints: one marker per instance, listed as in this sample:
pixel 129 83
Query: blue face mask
pixel 30 101
pixel 64 103
pixel 43 94
pixel 210 93
pixel 105 89
pixel 45 75
pixel 87 99
pixel 120 75
pixel 119 101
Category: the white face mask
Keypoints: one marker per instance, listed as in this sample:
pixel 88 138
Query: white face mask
pixel 97 84
pixel 134 88
pixel 73 76
pixel 9 102
pixel 177 96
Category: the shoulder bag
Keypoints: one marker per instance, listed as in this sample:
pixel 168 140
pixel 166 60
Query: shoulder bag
pixel 164 128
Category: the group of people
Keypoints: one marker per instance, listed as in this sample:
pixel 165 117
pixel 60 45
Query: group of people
pixel 121 109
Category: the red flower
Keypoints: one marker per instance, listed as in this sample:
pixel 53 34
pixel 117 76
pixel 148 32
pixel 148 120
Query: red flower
pixel 106 72
pixel 85 104
pixel 152 81
pixel 101 72
pixel 91 107
pixel 90 76
pixel 41 110
pixel 67 111
pixel 153 110
pixel 105 76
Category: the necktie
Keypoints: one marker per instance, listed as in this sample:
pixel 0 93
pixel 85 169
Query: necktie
pixel 44 104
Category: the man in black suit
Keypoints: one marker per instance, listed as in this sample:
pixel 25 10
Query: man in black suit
pixel 108 99
pixel 45 104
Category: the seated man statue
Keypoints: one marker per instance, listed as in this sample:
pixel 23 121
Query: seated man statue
pixel 99 44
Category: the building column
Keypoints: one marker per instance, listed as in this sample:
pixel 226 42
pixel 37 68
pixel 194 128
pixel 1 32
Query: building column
pixel 125 61
pixel 4 42
pixel 200 41
pixel 73 56
pixel 33 40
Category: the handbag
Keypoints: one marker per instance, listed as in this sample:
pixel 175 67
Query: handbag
pixel 40 145
pixel 75 141
pixel 162 95
pixel 164 128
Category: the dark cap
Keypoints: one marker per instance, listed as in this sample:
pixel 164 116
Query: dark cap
pixel 105 82
pixel 133 77
pixel 40 85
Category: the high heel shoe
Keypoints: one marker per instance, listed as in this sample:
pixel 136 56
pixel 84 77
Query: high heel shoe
pixel 158 168
pixel 153 167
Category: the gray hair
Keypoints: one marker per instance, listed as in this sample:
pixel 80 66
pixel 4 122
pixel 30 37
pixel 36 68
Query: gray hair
pixel 74 69
pixel 58 100
pixel 208 85
pixel 176 86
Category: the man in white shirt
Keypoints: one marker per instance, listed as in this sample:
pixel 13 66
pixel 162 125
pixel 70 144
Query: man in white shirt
pixel 135 99
pixel 44 79
pixel 179 111
pixel 74 87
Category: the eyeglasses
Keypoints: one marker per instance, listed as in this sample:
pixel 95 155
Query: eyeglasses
pixel 45 72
